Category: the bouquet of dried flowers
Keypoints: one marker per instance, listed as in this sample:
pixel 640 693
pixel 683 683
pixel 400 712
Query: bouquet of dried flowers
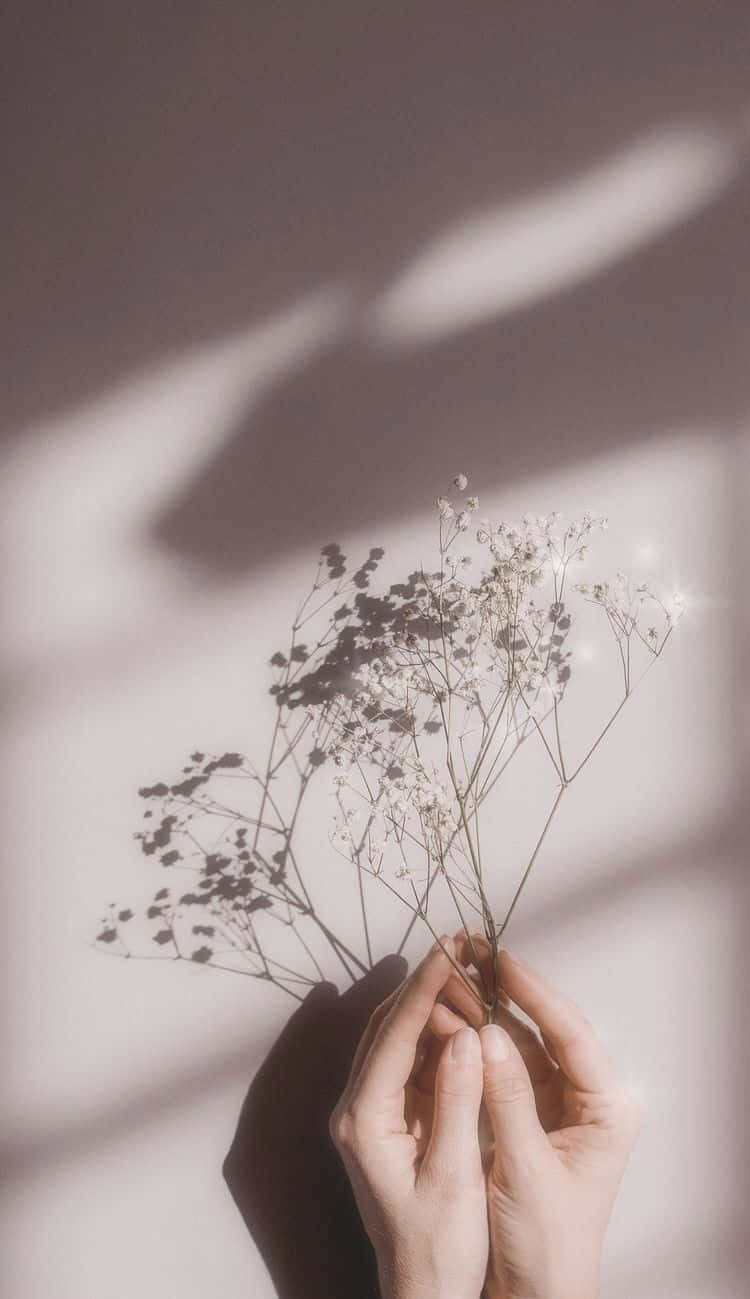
pixel 420 699
pixel 474 665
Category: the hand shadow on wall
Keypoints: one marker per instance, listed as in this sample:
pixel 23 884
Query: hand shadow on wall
pixel 282 1169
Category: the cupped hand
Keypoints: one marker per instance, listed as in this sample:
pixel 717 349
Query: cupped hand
pixel 407 1130
pixel 562 1128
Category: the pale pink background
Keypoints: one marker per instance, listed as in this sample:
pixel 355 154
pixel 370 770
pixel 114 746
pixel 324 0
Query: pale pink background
pixel 272 278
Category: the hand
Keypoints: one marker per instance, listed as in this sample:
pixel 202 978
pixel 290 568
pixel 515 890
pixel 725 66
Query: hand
pixel 407 1130
pixel 563 1128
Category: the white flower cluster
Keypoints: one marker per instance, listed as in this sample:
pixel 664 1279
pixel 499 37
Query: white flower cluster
pixel 523 549
pixel 418 791
pixel 626 604
pixel 449 513
pixel 412 808
pixel 470 663
pixel 384 681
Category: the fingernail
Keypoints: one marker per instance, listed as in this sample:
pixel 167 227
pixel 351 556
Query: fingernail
pixel 463 1045
pixel 495 1043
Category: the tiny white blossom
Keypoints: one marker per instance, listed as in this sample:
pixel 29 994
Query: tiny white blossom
pixel 460 482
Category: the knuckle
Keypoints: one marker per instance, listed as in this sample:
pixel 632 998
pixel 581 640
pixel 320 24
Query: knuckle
pixel 342 1129
pixel 452 1178
pixel 377 1015
pixel 334 1125
pixel 618 1114
pixel 506 1089
pixel 388 1024
pixel 521 1168
pixel 456 1088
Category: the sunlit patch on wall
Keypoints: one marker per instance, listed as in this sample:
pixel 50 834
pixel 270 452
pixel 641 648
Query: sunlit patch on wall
pixel 509 257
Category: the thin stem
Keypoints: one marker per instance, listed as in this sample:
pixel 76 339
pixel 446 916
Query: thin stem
pixel 533 858
pixel 363 910
pixel 601 736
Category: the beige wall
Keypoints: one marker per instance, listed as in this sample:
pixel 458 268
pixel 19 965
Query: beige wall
pixel 550 296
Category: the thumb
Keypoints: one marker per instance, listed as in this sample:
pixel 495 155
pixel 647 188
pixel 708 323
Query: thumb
pixel 454 1143
pixel 510 1104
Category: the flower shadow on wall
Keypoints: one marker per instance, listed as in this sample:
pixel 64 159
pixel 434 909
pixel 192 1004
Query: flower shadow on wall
pixel 226 828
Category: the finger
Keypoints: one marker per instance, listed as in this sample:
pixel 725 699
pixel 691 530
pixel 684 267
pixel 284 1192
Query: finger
pixel 571 1038
pixel 419 1098
pixel 365 1042
pixel 541 1068
pixel 390 1059
pixel 538 1060
pixel 487 959
pixel 453 1151
pixel 424 1076
pixel 444 1022
pixel 510 1104
pixel 540 1065
pixel 466 997
pixel 474 950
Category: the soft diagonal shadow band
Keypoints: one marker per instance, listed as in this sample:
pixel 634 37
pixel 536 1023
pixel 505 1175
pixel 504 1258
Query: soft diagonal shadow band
pixel 282 1169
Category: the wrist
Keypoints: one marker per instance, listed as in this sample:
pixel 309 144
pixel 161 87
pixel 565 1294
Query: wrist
pixel 499 1293
pixel 495 1289
pixel 569 1292
pixel 419 1287
pixel 423 1290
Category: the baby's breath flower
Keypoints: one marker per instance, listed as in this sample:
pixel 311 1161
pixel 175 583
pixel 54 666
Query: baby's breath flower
pixel 474 641
pixel 420 697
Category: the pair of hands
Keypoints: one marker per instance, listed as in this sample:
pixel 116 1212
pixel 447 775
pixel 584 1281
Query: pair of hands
pixel 523 1218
